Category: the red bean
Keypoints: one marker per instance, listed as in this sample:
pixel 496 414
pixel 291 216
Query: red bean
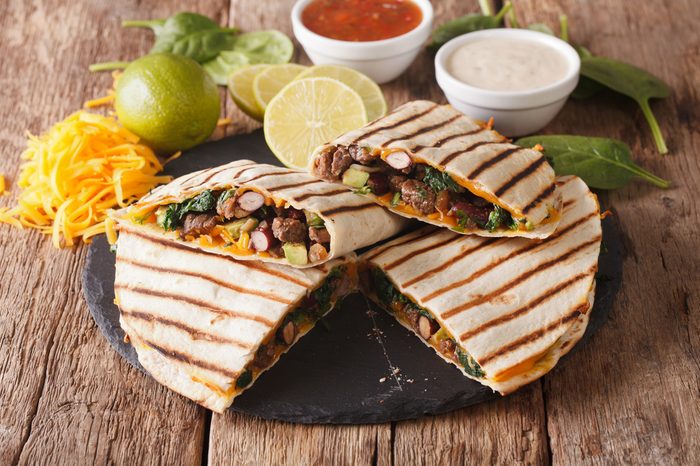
pixel 251 201
pixel 398 160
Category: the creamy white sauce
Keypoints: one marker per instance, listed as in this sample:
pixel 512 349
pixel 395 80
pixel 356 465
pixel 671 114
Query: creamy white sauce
pixel 502 64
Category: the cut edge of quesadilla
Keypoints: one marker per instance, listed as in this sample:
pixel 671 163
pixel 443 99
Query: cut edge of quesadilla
pixel 261 212
pixel 198 376
pixel 434 335
pixel 489 322
pixel 396 176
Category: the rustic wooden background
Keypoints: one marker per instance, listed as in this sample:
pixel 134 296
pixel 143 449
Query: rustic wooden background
pixel 632 395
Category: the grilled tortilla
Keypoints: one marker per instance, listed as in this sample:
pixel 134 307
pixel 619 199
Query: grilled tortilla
pixel 430 162
pixel 261 212
pixel 503 310
pixel 206 325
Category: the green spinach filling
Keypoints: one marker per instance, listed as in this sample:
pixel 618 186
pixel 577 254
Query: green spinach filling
pixel 404 308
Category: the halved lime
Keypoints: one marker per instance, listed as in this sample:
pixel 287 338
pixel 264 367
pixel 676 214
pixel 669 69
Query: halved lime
pixel 307 113
pixel 269 82
pixel 369 91
pixel 240 86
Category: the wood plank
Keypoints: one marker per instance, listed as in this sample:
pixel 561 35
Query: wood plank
pixel 632 395
pixel 509 431
pixel 66 396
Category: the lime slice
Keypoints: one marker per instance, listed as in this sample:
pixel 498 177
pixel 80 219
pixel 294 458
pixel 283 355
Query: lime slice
pixel 308 112
pixel 369 91
pixel 269 82
pixel 240 85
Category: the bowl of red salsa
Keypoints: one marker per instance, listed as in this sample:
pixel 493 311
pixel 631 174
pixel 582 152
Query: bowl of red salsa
pixel 380 38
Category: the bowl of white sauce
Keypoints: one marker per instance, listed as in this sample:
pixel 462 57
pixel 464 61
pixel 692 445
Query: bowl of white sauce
pixel 519 77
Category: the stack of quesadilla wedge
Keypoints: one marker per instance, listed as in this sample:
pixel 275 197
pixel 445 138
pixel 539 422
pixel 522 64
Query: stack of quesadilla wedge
pixel 206 325
pixel 261 212
pixel 430 162
pixel 503 310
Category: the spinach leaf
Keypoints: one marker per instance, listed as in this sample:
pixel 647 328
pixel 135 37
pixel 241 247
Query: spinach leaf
pixel 631 81
pixel 324 292
pixel 470 365
pixel 499 216
pixel 315 221
pixel 440 181
pixel 200 46
pixel 174 213
pixel 464 24
pixel 221 67
pixel 601 162
pixel 386 291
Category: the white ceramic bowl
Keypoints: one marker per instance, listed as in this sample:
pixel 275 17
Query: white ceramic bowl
pixel 515 113
pixel 381 60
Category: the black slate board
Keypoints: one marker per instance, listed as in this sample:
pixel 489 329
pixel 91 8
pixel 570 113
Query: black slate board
pixel 343 370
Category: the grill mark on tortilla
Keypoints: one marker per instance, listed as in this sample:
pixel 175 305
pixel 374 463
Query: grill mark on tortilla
pixel 194 250
pixel 196 302
pixel 451 156
pixel 394 125
pixel 294 185
pixel 465 253
pixel 378 251
pixel 264 175
pixel 567 203
pixel 420 251
pixel 238 175
pixel 519 279
pixel 486 164
pixel 216 172
pixel 216 281
pixel 524 173
pixel 193 332
pixel 546 192
pixel 534 336
pixel 446 139
pixel 425 129
pixel 529 247
pixel 348 208
pixel 306 196
pixel 186 358
pixel 546 296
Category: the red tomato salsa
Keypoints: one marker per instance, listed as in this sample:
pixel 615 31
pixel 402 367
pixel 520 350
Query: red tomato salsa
pixel 361 20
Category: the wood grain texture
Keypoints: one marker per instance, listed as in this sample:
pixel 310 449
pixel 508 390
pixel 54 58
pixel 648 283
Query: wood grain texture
pixel 65 395
pixel 632 395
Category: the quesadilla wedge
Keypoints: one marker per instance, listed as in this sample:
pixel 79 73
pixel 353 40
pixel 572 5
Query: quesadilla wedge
pixel 261 212
pixel 432 163
pixel 503 310
pixel 206 325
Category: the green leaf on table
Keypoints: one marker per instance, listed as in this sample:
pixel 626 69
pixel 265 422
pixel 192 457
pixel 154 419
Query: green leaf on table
pixel 631 81
pixel 602 163
pixel 272 47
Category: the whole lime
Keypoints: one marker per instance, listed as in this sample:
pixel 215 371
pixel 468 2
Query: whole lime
pixel 168 100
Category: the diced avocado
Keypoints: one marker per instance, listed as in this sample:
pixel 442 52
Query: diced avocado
pixel 160 216
pixel 295 253
pixel 355 178
pixel 313 220
pixel 236 227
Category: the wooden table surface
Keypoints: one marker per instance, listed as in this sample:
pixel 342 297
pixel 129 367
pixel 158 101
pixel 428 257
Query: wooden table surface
pixel 632 395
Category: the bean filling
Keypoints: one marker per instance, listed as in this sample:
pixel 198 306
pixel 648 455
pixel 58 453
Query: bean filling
pixel 248 223
pixel 422 322
pixel 407 185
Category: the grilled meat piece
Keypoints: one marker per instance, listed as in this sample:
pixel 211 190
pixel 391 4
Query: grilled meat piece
pixel 199 224
pixel 323 163
pixel 419 196
pixel 341 161
pixel 360 154
pixel 319 235
pixel 378 183
pixel 475 214
pixel 395 182
pixel 288 230
pixel 227 208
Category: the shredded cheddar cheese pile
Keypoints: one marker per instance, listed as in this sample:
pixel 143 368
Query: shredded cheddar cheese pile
pixel 82 167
